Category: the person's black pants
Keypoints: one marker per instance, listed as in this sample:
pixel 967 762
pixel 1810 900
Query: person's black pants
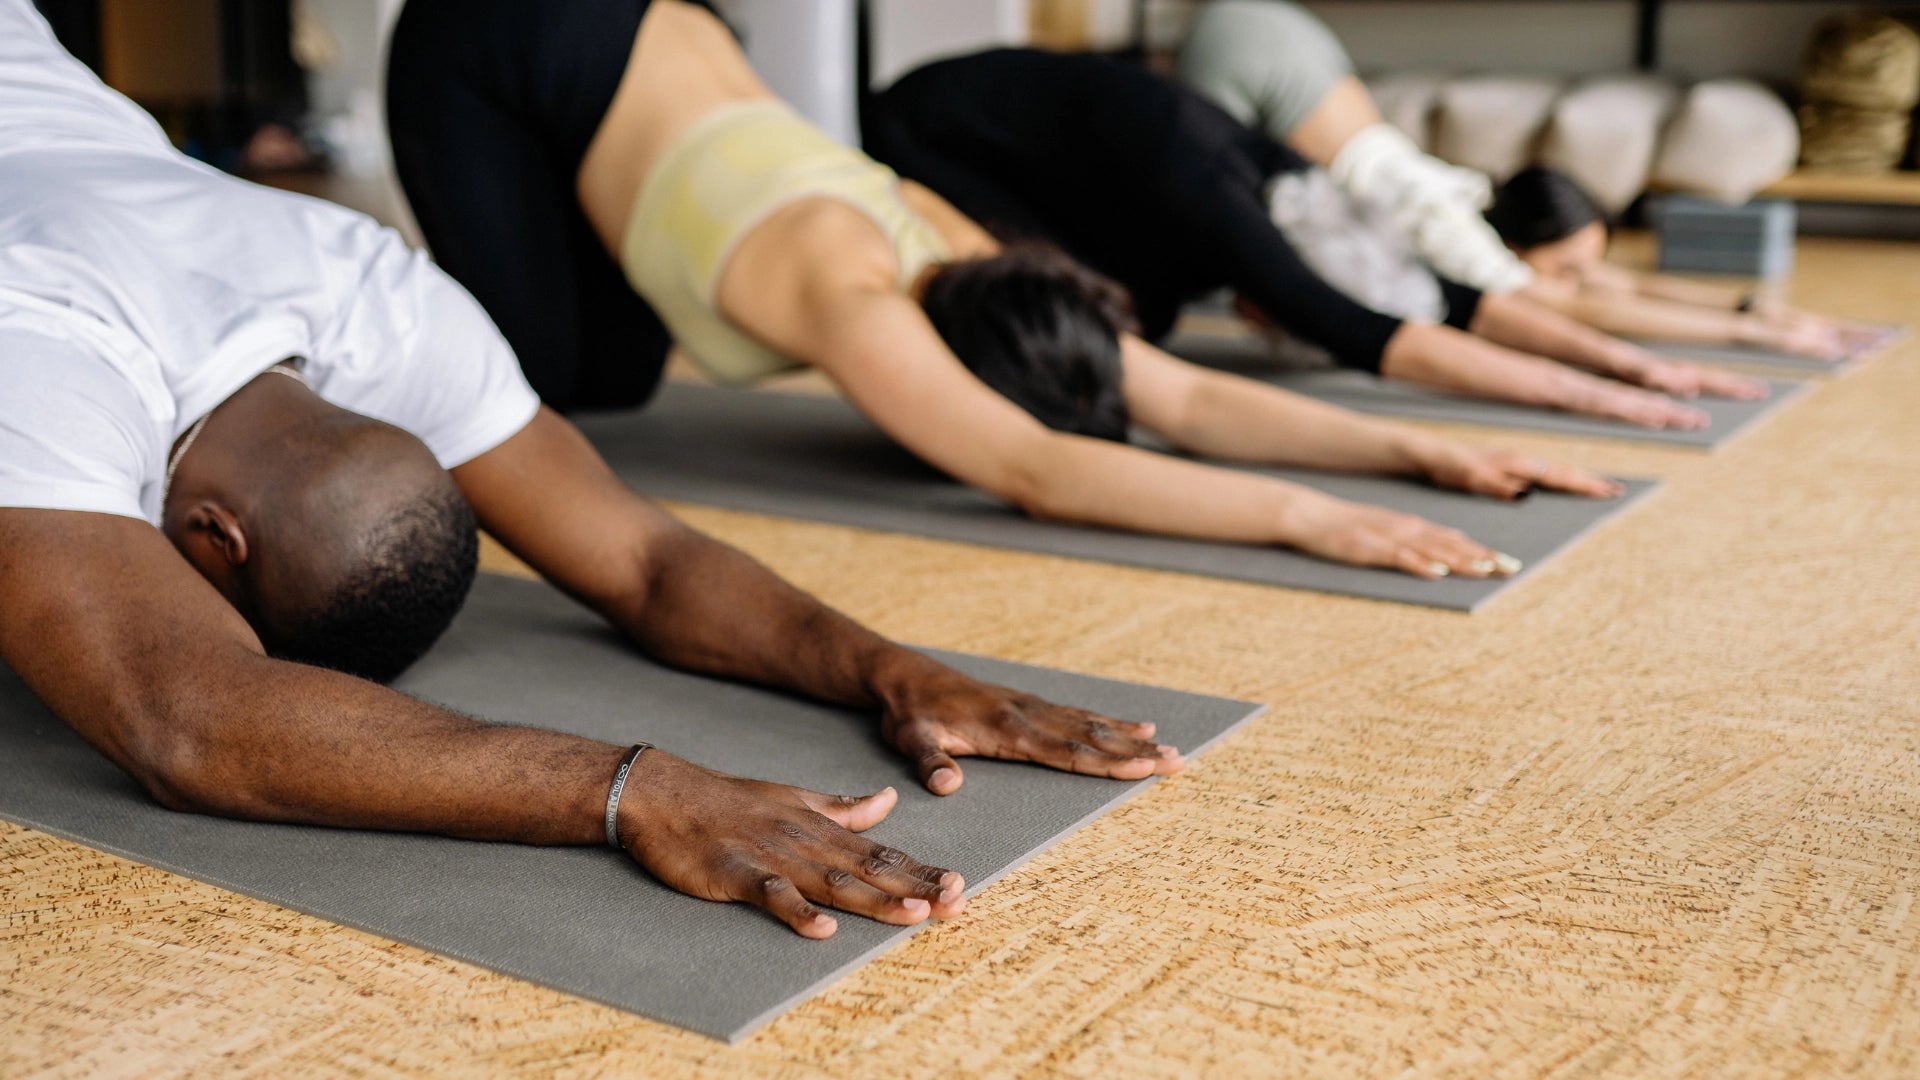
pixel 490 106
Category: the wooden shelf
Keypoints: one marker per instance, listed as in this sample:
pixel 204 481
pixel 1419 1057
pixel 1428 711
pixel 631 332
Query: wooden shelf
pixel 1894 188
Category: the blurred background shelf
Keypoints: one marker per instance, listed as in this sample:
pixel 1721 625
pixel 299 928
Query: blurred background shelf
pixel 1880 189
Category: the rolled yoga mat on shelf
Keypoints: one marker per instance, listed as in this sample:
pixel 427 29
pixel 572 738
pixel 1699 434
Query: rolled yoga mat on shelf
pixel 813 457
pixel 1365 393
pixel 588 921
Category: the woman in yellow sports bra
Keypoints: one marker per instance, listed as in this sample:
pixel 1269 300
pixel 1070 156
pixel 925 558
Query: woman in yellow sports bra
pixel 607 176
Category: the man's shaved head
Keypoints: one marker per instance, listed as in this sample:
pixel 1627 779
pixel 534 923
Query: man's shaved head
pixel 367 557
pixel 339 538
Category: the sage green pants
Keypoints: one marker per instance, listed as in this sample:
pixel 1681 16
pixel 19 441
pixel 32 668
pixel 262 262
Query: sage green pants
pixel 1266 62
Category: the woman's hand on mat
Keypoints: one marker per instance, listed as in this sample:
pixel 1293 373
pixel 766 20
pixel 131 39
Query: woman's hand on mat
pixel 941 714
pixel 1800 334
pixel 1506 474
pixel 787 850
pixel 1593 395
pixel 1370 536
pixel 1807 334
pixel 1681 379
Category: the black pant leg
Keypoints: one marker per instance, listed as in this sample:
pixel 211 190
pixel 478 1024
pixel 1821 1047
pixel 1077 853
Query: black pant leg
pixel 496 202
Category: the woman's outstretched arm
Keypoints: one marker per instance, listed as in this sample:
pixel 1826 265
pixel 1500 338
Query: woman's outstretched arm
pixel 881 350
pixel 1226 416
pixel 1456 361
pixel 1642 311
pixel 1522 323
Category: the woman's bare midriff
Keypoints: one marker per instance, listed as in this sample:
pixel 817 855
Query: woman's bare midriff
pixel 684 65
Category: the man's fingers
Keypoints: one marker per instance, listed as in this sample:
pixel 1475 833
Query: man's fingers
pixel 920 742
pixel 1075 755
pixel 1138 729
pixel 855 813
pixel 1116 736
pixel 778 896
pixel 894 872
pixel 841 887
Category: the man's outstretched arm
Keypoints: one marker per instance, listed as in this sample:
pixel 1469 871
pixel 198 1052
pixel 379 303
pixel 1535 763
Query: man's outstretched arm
pixel 127 644
pixel 697 603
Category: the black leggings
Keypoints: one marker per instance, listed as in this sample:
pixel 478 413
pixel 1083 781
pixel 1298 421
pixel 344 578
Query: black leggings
pixel 1138 178
pixel 490 106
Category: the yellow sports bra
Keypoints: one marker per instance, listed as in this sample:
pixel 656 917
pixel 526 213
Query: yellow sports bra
pixel 730 171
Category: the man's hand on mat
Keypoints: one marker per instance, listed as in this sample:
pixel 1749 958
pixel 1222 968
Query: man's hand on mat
pixel 1506 474
pixel 1370 536
pixel 784 849
pixel 942 714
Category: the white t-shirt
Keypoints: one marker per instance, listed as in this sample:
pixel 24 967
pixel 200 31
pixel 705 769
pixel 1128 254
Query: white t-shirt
pixel 139 289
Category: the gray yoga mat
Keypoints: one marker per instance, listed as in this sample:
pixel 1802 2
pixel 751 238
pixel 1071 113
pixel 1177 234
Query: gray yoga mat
pixel 814 457
pixel 587 921
pixel 1365 393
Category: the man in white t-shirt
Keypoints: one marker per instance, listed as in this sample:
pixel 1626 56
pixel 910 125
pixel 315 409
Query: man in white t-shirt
pixel 244 439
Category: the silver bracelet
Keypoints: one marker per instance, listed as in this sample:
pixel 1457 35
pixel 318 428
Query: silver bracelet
pixel 620 785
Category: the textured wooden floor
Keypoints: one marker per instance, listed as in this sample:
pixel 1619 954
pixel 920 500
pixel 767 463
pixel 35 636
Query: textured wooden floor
pixel 1656 814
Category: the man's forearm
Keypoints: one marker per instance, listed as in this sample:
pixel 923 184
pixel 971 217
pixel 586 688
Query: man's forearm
pixel 709 607
pixel 270 740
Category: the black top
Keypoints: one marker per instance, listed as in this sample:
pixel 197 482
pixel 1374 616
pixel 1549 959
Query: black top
pixel 1137 177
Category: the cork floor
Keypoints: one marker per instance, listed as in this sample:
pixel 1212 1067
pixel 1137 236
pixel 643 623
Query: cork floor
pixel 1657 814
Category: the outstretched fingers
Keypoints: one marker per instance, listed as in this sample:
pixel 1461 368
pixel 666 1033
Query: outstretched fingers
pixel 887 884
pixel 1645 408
pixel 1430 551
pixel 1091 750
pixel 1725 384
pixel 1529 473
pixel 855 813
pixel 920 742
pixel 777 895
pixel 813 866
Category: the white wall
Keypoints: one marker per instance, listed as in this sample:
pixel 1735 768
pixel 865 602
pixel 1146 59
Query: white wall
pixel 349 97
pixel 808 53
pixel 909 33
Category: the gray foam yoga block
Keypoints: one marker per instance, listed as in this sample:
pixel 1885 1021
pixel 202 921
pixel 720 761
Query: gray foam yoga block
pixel 1703 236
pixel 587 921
pixel 813 457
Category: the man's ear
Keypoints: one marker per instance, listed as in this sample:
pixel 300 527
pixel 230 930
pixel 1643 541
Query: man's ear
pixel 214 527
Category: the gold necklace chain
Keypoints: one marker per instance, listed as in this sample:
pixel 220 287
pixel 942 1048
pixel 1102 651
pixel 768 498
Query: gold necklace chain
pixel 289 368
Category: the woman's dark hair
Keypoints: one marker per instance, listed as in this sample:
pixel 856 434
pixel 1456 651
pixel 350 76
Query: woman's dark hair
pixel 1540 206
pixel 1041 330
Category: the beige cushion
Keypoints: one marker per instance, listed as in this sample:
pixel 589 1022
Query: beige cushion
pixel 1407 101
pixel 1729 138
pixel 1604 134
pixel 1493 122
